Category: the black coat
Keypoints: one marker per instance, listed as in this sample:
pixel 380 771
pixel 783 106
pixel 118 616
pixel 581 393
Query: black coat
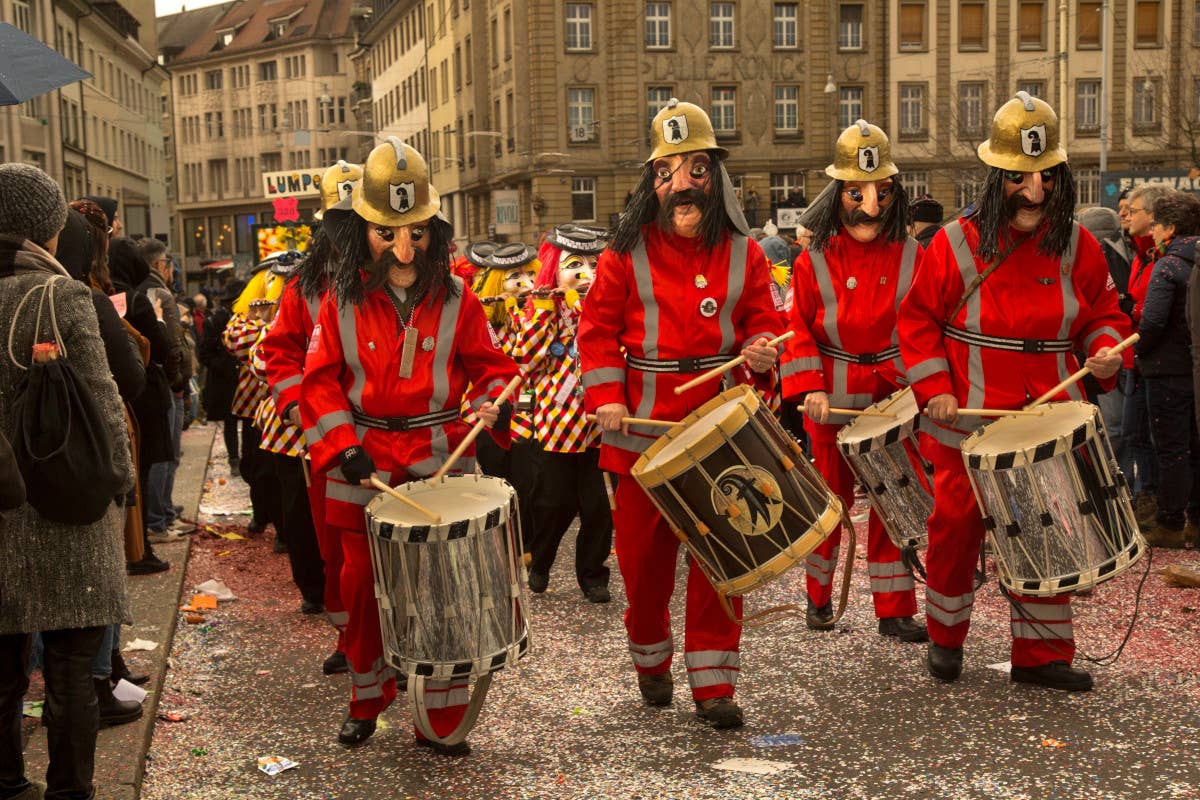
pixel 222 376
pixel 1165 348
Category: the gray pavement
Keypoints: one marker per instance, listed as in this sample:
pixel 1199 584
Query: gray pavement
pixel 845 714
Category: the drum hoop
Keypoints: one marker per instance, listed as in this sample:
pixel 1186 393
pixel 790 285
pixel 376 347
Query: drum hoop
pixel 443 531
pixel 897 431
pixel 1103 572
pixel 708 444
pixel 1042 450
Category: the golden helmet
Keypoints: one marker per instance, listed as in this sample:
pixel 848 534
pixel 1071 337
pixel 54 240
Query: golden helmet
pixel 862 153
pixel 1024 137
pixel 336 185
pixel 395 189
pixel 681 128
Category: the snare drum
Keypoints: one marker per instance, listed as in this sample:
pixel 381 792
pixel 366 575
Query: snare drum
pixel 1053 500
pixel 738 492
pixel 885 456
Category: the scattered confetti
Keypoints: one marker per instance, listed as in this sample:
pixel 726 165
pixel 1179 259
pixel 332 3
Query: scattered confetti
pixel 1053 743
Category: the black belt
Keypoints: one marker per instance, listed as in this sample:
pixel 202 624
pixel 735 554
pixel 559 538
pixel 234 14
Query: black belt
pixel 406 423
pixel 1013 345
pixel 858 358
pixel 698 364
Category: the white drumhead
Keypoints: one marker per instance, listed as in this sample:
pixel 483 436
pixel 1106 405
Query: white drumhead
pixel 902 404
pixel 697 430
pixel 1019 434
pixel 454 498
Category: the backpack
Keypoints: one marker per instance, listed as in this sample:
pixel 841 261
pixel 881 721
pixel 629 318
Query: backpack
pixel 62 445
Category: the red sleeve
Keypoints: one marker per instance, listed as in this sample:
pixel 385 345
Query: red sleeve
pixel 324 408
pixel 600 330
pixel 283 349
pixel 487 367
pixel 762 316
pixel 801 369
pixel 935 288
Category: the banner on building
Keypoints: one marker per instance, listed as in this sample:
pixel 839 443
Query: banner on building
pixel 292 183
pixel 788 218
pixel 1113 183
pixel 506 211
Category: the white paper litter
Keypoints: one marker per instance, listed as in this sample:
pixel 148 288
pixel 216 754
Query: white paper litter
pixel 124 690
pixel 217 588
pixel 139 644
pixel 755 766
pixel 273 765
pixel 1003 666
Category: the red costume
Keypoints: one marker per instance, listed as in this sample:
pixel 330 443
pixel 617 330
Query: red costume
pixel 675 308
pixel 1010 342
pixel 844 305
pixel 351 394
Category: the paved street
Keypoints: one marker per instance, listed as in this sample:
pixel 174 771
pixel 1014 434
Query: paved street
pixel 865 719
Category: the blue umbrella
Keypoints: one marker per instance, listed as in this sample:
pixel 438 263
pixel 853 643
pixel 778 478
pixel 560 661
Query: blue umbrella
pixel 29 68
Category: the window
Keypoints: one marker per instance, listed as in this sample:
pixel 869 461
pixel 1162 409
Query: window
pixel 850 27
pixel 583 199
pixel 787 189
pixel 276 28
pixel 720 26
pixel 268 71
pixel 658 25
pixel 1146 23
pixel 23 16
pixel 912 25
pixel 1087 186
pixel 1195 99
pixel 912 109
pixel 510 109
pixel 1087 26
pixel 1196 23
pixel 508 34
pixel 724 110
pixel 457 68
pixel 581 115
pixel 787 110
pixel 579 26
pixel 1032 88
pixel 657 98
pixel 213 79
pixel 970 110
pixel 1087 106
pixel 433 95
pixel 495 40
pixel 1145 103
pixel 850 105
pixel 1031 25
pixel 967 190
pixel 917 183
pixel 787 26
pixel 469 68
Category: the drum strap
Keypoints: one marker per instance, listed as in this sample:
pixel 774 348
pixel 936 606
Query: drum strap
pixel 697 364
pixel 406 423
pixel 838 354
pixel 1004 343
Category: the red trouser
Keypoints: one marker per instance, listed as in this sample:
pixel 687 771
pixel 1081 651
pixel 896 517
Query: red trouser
pixel 646 554
pixel 330 545
pixel 373 681
pixel 1041 626
pixel 892 586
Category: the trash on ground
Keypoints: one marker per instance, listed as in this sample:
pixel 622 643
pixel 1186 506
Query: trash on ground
pixel 124 690
pixel 273 765
pixel 216 588
pixel 139 644
pixel 1180 577
pixel 776 740
pixel 755 766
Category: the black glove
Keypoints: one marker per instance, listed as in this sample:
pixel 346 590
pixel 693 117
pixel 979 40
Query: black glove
pixel 357 466
pixel 505 416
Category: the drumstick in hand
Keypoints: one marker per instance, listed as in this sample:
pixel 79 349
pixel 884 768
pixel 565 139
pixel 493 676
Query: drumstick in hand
pixel 997 412
pixel 715 371
pixel 513 385
pixel 383 487
pixel 1079 375
pixel 859 412
pixel 660 423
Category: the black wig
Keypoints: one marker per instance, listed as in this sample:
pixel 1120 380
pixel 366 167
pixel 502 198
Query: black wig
pixel 313 273
pixel 991 214
pixel 643 208
pixel 824 217
pixel 352 256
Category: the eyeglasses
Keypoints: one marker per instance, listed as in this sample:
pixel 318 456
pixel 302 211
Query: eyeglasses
pixel 1135 209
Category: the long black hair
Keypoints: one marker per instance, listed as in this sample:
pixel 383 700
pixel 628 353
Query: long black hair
pixel 643 208
pixel 313 273
pixel 824 219
pixel 352 254
pixel 992 216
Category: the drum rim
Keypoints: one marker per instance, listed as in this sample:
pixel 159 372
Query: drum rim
pixel 439 530
pixel 749 404
pixel 866 444
pixel 1036 451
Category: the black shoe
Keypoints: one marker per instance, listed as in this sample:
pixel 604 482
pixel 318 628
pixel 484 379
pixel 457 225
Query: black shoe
pixel 256 526
pixel 454 750
pixel 234 466
pixel 945 663
pixel 310 607
pixel 280 546
pixel 818 617
pixel 112 710
pixel 538 581
pixel 120 671
pixel 597 594
pixel 178 511
pixel 720 712
pixel 656 689
pixel 356 731
pixel 904 629
pixel 1055 675
pixel 149 565
pixel 335 664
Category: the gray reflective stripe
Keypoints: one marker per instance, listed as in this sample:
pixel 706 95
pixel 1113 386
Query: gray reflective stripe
pixel 368 692
pixel 326 423
pixel 1070 311
pixel 797 365
pixel 943 435
pixel 930 366
pixel 1043 612
pixel 1067 261
pixel 700 659
pixel 368 678
pixel 285 384
pixel 651 655
pixel 968 272
pixel 336 474
pixel 768 335
pixel 1043 630
pixel 1096 334
pixel 889 576
pixel 348 333
pixel 839 394
pixel 737 285
pixel 599 375
pixel 948 610
pixel 908 263
pixel 886 569
pixel 897 584
pixel 439 444
pixel 644 279
pixel 701 678
pixel 439 694
pixel 821 569
pixel 348 493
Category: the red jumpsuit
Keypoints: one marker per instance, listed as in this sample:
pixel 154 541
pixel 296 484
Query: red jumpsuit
pixel 284 350
pixel 844 305
pixel 352 373
pixel 1031 297
pixel 650 302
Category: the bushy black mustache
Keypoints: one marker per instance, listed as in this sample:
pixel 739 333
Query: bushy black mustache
pixel 859 217
pixel 666 211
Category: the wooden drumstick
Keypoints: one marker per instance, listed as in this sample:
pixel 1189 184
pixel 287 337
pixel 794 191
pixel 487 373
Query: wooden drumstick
pixel 661 423
pixel 513 385
pixel 859 412
pixel 1079 375
pixel 997 412
pixel 715 371
pixel 383 487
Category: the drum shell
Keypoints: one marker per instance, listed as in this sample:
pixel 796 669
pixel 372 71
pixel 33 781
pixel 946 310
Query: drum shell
pixel 757 449
pixel 449 595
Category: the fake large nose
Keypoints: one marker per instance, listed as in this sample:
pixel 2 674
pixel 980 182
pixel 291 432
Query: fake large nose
pixel 402 247
pixel 1032 187
pixel 870 201
pixel 681 179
